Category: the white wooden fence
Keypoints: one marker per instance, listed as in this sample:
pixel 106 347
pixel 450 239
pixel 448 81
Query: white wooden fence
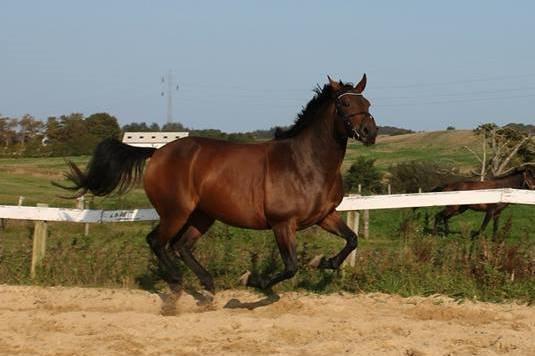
pixel 350 204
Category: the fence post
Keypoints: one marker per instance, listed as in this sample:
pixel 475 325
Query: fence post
pixel 366 218
pixel 40 232
pixel 81 204
pixel 353 223
pixel 353 218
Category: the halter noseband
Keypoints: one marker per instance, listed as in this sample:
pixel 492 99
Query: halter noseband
pixel 356 131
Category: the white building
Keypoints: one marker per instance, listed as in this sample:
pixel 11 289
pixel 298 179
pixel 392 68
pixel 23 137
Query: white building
pixel 151 139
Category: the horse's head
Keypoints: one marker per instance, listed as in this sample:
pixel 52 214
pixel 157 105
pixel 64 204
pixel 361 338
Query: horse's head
pixel 353 118
pixel 529 178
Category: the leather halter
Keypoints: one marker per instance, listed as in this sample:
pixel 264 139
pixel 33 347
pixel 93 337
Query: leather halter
pixel 357 133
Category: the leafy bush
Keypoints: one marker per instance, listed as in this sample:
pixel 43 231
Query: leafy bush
pixel 407 177
pixel 363 172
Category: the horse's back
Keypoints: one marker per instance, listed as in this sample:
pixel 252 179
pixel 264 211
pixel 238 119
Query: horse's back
pixel 222 179
pixel 475 185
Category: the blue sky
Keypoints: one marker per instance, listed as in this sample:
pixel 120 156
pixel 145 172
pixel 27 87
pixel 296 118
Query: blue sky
pixel 244 65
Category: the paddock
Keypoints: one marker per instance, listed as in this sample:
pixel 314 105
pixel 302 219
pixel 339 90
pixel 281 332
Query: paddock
pixel 86 321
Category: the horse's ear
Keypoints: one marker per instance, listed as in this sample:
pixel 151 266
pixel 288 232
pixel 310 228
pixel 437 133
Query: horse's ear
pixel 334 84
pixel 362 84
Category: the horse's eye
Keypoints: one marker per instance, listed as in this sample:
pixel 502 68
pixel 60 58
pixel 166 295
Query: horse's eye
pixel 345 103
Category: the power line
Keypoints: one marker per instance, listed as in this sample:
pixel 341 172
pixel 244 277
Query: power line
pixel 458 101
pixel 454 82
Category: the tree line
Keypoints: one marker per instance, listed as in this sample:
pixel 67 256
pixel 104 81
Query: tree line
pixel 65 135
pixel 75 134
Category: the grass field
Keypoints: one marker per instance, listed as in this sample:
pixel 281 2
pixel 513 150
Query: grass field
pixel 399 257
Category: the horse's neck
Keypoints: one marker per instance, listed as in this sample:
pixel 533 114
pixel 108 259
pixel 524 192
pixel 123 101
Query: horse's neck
pixel 318 145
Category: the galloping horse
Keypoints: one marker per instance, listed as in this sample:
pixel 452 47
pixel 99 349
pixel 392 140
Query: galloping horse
pixel 521 177
pixel 286 184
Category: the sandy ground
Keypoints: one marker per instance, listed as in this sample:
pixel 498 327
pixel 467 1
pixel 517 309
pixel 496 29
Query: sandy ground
pixel 79 321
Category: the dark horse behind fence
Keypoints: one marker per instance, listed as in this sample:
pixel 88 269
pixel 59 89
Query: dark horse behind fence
pixel 287 184
pixel 521 178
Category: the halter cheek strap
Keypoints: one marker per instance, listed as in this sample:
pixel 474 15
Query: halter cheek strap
pixel 356 131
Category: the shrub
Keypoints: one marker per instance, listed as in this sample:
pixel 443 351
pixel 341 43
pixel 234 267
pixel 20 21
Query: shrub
pixel 407 177
pixel 363 172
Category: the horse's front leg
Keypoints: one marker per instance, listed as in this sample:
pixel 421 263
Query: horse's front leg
pixel 286 241
pixel 334 224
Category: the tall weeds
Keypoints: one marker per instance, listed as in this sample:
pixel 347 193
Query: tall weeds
pixel 412 263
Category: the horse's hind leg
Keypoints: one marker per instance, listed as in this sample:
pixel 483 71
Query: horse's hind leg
pixel 488 216
pixel 157 240
pixel 496 219
pixel 444 216
pixel 438 217
pixel 197 225
pixel 334 224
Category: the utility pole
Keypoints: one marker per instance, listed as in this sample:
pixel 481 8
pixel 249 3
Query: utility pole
pixel 169 92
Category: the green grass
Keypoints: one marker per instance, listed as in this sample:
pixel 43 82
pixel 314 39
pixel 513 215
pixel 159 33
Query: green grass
pixel 445 146
pixel 399 257
pixel 32 177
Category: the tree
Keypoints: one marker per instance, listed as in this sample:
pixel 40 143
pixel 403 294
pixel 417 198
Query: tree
pixel 8 132
pixel 69 135
pixel 154 127
pixel 102 126
pixel 213 133
pixel 174 127
pixel 502 149
pixel 30 129
pixel 136 127
pixel 363 172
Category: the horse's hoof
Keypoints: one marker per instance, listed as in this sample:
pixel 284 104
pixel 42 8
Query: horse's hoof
pixel 205 297
pixel 175 288
pixel 316 261
pixel 244 279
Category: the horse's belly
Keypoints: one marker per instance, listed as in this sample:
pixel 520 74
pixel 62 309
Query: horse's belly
pixel 239 204
pixel 234 214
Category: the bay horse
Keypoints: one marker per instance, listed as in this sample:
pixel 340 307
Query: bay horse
pixel 287 184
pixel 519 178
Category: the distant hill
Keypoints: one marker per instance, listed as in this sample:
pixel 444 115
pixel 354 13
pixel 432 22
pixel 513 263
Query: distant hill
pixel 438 146
pixel 392 131
pixel 383 130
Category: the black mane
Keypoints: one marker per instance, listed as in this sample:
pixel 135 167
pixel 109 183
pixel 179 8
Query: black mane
pixel 306 116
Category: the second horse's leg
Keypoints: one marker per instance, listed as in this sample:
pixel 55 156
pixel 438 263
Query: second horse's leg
pixel 488 216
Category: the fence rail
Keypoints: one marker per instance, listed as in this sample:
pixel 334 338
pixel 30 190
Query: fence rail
pixel 350 203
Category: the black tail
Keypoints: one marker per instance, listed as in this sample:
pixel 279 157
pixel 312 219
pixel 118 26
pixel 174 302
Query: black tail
pixel 115 166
